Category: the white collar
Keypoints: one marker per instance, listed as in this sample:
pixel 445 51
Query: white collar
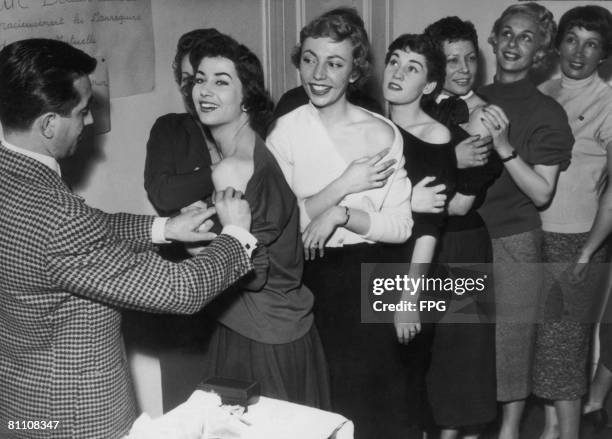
pixel 465 97
pixel 46 160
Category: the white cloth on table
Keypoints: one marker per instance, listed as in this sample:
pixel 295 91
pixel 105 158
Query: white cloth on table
pixel 203 417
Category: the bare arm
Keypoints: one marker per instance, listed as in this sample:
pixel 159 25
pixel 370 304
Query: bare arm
pixel 602 226
pixel 407 324
pixel 366 173
pixel 460 204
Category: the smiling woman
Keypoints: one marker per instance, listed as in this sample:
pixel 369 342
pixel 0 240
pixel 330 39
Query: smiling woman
pixel 344 164
pixel 577 221
pixel 534 151
pixel 265 328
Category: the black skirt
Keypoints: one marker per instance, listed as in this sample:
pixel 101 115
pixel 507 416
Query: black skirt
pixel 375 382
pixel 461 380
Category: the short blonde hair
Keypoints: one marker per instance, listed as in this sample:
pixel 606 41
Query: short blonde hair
pixel 547 28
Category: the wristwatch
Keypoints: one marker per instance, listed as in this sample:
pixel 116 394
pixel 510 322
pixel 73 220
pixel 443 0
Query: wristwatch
pixel 510 157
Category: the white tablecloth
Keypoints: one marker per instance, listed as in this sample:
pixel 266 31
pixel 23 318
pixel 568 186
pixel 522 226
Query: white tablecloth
pixel 203 417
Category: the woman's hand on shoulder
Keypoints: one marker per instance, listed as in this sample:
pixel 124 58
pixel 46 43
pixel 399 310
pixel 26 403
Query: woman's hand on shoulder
pixel 495 120
pixel 367 172
pixel 473 151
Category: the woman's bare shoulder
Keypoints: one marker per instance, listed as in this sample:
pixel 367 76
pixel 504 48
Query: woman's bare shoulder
pixel 376 130
pixel 474 102
pixel 436 133
pixel 233 172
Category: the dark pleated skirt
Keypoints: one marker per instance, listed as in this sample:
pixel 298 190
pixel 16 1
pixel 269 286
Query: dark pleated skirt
pixel 375 382
pixel 461 382
pixel 295 371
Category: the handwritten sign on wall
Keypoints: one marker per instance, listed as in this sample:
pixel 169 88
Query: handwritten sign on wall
pixel 121 31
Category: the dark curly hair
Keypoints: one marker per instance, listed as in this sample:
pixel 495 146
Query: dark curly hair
pixel 452 29
pixel 435 60
pixel 256 99
pixel 340 24
pixel 185 45
pixel 590 17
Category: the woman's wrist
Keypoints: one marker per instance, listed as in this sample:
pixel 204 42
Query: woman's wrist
pixel 505 150
pixel 343 215
pixel 584 256
pixel 341 187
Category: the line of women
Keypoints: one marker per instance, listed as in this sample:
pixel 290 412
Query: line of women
pixel 453 176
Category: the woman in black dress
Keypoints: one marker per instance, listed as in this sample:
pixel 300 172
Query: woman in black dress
pixel 414 73
pixel 462 374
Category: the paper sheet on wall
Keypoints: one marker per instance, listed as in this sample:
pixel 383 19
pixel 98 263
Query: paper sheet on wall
pixel 100 106
pixel 120 29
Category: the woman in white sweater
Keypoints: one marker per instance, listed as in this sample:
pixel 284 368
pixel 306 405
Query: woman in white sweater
pixel 345 166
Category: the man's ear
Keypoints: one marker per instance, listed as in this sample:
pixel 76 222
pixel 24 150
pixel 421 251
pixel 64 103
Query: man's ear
pixel 47 124
pixel 430 87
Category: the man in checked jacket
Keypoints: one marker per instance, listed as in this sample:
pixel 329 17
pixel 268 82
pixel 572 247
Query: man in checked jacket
pixel 66 268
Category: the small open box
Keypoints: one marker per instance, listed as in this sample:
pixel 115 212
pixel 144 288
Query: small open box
pixel 231 391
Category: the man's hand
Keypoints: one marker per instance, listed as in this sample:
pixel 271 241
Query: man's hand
pixel 190 226
pixel 473 151
pixel 428 199
pixel 232 209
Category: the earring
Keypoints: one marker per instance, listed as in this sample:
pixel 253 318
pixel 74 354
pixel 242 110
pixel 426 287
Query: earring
pixel 243 108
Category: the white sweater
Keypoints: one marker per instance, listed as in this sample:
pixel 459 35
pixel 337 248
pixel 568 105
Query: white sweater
pixel 310 161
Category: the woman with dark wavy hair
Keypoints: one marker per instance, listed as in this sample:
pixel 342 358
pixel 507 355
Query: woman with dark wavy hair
pixel 179 150
pixel 177 173
pixel 414 74
pixel 462 373
pixel 265 331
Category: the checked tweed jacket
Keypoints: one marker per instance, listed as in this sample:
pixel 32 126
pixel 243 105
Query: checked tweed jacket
pixel 65 270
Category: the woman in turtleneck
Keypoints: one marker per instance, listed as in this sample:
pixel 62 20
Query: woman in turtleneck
pixel 577 221
pixel 531 135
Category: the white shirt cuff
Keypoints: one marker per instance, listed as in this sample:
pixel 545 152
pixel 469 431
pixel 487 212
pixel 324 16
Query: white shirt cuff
pixel 248 241
pixel 158 235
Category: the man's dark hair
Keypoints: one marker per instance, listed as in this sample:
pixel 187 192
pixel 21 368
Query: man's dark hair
pixel 36 77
